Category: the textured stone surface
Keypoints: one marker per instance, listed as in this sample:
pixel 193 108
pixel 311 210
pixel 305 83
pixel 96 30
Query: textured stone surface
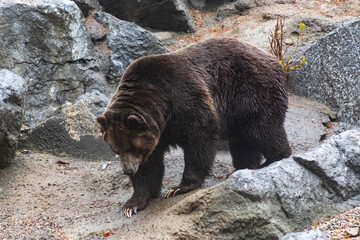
pixel 209 4
pixel 311 235
pixel 242 5
pixel 87 6
pixel 71 66
pixel 12 91
pixel 55 136
pixel 304 123
pixel 332 73
pixel 337 163
pixel 72 132
pixel 118 43
pixel 46 43
pixel 168 15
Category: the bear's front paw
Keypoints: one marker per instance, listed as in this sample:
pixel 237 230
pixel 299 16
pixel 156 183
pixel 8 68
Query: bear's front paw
pixel 171 192
pixel 181 189
pixel 133 205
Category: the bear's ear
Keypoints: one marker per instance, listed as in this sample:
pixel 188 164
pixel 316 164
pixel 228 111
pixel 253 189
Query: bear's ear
pixel 135 122
pixel 102 121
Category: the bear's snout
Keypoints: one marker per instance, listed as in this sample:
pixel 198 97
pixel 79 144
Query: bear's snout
pixel 128 172
pixel 130 164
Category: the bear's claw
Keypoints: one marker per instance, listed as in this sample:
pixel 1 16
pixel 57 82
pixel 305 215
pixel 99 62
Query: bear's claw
pixel 128 212
pixel 171 191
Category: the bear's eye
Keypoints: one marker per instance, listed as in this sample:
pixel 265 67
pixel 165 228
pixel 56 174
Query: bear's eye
pixel 134 122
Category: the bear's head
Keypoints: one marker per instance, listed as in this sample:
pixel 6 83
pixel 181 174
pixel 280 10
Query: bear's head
pixel 130 136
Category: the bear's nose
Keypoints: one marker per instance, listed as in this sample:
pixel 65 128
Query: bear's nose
pixel 129 172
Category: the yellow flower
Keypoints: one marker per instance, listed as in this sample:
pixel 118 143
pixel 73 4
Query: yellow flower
pixel 301 26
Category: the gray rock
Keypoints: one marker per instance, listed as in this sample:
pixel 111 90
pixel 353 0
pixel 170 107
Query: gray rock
pixel 88 6
pixel 337 163
pixel 12 91
pixel 118 43
pixel 74 131
pixel 311 235
pixel 198 3
pixel 209 4
pixel 243 5
pixel 332 73
pixel 224 11
pixel 168 15
pixel 12 87
pixel 304 123
pixel 68 77
pixel 95 101
pixel 267 203
pixel 47 44
pixel 57 137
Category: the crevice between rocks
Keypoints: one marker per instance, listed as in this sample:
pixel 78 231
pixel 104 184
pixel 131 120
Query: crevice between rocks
pixel 279 198
pixel 42 62
pixel 251 197
pixel 317 171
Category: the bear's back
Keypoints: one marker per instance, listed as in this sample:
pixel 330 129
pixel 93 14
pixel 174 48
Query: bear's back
pixel 246 83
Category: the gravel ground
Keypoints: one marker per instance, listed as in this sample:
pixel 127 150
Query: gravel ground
pixel 344 226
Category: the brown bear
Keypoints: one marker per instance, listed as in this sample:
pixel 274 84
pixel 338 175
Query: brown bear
pixel 221 87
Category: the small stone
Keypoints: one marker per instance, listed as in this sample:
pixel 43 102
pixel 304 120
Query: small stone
pixel 104 166
pixel 353 231
pixel 289 41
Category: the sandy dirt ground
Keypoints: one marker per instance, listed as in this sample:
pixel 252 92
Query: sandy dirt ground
pixel 44 196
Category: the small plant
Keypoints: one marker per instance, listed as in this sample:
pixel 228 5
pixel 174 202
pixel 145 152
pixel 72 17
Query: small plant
pixel 276 41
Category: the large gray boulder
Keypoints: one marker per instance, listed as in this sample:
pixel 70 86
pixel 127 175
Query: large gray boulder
pixel 72 67
pixel 332 74
pixel 12 92
pixel 72 132
pixel 267 203
pixel 46 42
pixel 118 43
pixel 168 15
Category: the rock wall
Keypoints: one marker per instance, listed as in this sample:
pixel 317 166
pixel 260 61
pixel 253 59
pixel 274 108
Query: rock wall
pixel 168 15
pixel 46 42
pixel 332 74
pixel 65 60
pixel 12 91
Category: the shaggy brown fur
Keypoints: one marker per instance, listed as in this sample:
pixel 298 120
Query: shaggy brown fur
pixel 218 88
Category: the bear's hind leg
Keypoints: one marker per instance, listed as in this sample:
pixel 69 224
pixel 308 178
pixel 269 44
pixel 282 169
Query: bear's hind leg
pixel 244 154
pixel 146 183
pixel 276 147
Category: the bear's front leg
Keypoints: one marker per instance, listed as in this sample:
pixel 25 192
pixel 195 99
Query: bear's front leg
pixel 199 156
pixel 146 183
pixel 139 199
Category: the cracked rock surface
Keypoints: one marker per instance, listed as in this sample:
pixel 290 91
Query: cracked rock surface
pixel 332 74
pixel 266 203
pixel 71 66
pixel 47 43
pixel 12 90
